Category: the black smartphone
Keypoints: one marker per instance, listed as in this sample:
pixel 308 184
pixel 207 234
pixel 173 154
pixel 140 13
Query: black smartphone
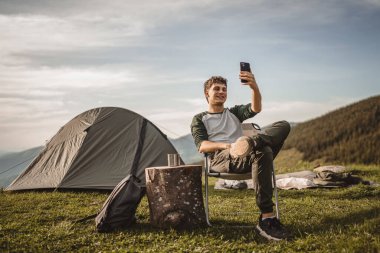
pixel 244 66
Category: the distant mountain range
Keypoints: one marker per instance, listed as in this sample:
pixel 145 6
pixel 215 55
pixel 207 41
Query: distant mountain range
pixel 12 164
pixel 186 148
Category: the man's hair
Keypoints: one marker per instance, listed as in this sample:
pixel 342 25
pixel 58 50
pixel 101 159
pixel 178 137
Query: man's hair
pixel 214 79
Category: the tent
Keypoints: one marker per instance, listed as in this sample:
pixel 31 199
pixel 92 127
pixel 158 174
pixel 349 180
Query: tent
pixel 96 150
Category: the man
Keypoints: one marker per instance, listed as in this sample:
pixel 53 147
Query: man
pixel 218 132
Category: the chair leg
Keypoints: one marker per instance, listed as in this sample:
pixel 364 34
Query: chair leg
pixel 275 195
pixel 206 192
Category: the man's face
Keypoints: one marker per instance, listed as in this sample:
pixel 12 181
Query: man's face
pixel 217 94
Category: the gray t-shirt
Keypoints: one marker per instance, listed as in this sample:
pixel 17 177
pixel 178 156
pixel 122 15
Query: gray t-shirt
pixel 220 127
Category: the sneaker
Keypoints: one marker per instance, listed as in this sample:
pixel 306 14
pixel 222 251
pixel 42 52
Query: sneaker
pixel 272 229
pixel 241 147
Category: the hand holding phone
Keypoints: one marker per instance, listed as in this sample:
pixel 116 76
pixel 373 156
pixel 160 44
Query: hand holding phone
pixel 245 66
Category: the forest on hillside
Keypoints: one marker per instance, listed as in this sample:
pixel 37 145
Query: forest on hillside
pixel 348 135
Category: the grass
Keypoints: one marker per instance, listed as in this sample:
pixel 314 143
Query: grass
pixel 322 220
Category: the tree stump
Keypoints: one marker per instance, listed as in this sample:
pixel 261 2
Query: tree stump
pixel 175 196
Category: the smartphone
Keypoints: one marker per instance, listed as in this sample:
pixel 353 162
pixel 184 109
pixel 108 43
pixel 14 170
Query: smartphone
pixel 244 66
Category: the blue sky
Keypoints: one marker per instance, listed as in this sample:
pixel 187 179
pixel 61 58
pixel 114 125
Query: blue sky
pixel 60 58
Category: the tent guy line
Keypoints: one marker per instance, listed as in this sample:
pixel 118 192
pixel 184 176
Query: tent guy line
pixel 6 170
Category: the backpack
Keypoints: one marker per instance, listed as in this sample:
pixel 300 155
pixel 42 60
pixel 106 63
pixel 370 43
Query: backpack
pixel 118 211
pixel 329 178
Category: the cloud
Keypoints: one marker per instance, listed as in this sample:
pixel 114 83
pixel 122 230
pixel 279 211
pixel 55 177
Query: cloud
pixel 59 58
pixel 34 94
pixel 18 111
pixel 173 122
pixel 371 4
pixel 34 98
pixel 121 22
pixel 34 33
pixel 195 102
pixel 26 123
pixel 26 134
pixel 21 78
pixel 95 25
pixel 77 27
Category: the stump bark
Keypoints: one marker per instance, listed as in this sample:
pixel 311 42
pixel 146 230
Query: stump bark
pixel 175 196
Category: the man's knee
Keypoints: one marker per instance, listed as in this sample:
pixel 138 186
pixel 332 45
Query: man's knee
pixel 283 129
pixel 285 126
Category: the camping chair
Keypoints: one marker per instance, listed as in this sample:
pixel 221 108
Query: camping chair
pixel 231 176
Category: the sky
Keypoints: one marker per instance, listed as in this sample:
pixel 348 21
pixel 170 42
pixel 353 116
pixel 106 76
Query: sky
pixel 61 58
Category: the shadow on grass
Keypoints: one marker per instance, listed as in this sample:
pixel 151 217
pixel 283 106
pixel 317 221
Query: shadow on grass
pixel 350 192
pixel 221 229
pixel 353 192
pixel 329 223
pixel 234 231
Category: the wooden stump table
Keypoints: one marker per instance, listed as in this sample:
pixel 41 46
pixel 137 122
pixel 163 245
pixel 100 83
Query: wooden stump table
pixel 175 196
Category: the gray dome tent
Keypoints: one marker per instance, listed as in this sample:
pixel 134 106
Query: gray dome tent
pixel 96 150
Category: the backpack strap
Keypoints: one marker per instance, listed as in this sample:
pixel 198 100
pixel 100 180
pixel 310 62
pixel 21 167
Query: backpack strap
pixel 87 218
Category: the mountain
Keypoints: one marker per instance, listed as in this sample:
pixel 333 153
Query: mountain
pixel 186 148
pixel 350 134
pixel 12 164
pixel 3 153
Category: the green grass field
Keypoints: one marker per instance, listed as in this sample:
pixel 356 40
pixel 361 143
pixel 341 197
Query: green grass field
pixel 322 220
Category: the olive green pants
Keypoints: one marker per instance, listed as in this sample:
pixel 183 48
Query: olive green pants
pixel 259 162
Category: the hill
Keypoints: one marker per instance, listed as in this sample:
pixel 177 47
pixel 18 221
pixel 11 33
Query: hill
pixel 12 164
pixel 349 135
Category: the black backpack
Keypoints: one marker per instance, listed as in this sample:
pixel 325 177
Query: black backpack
pixel 118 211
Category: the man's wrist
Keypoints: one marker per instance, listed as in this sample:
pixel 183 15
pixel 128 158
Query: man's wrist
pixel 254 87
